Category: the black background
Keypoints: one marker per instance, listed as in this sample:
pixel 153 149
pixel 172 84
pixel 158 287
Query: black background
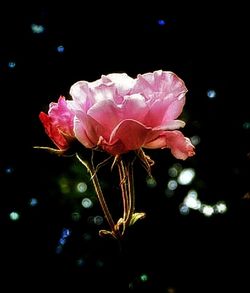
pixel 207 47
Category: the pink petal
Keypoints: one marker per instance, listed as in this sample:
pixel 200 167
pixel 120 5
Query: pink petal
pixel 104 92
pixel 123 83
pixel 81 134
pixel 82 95
pixel 61 116
pixel 128 135
pixel 108 114
pixel 131 133
pixel 87 130
pixel 171 125
pixel 165 95
pixel 53 132
pixel 174 110
pixel 116 148
pixel 163 81
pixel 181 147
pixel 162 111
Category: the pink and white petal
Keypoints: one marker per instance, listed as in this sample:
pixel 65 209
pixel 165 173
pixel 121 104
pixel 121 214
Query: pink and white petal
pixel 157 112
pixel 82 95
pixel 104 92
pixel 116 148
pixel 87 130
pixel 131 134
pixel 107 114
pixel 174 110
pixel 134 107
pixel 149 82
pixel 123 83
pixel 80 133
pixel 73 106
pixel 142 86
pixel 170 82
pixel 180 146
pixel 171 125
pixel 62 116
pixel 164 82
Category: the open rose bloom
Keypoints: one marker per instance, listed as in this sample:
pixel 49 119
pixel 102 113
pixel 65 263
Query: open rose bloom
pixel 118 114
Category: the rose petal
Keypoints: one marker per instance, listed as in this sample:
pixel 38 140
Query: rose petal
pixel 131 133
pixel 162 111
pixel 109 114
pixel 87 130
pixel 128 135
pixel 104 92
pixel 123 83
pixel 181 147
pixel 53 132
pixel 161 81
pixel 171 125
pixel 82 95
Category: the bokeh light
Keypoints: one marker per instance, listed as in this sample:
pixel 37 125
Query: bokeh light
pixel 195 140
pixel 207 210
pixel 186 176
pixel 12 64
pixel 144 277
pixel 151 182
pixel 75 216
pixel 14 216
pixel 9 170
pixel 60 49
pixel 211 94
pixel 37 28
pixel 184 210
pixel 98 220
pixel 221 207
pixel 82 187
pixel 33 202
pixel 172 184
pixel 161 22
pixel 246 125
pixel 87 203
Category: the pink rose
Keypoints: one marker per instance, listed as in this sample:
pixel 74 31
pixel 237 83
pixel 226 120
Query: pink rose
pixel 118 114
pixel 59 123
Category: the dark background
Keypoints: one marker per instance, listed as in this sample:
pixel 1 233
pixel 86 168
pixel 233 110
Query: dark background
pixel 166 252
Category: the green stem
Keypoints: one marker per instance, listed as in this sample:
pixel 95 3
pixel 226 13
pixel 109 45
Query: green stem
pixel 100 196
pixel 131 192
pixel 127 188
pixel 124 189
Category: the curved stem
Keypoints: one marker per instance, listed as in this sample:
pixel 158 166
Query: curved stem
pixel 131 192
pixel 124 189
pixel 100 195
pixel 127 188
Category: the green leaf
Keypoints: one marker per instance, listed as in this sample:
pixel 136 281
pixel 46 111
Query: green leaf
pixel 135 217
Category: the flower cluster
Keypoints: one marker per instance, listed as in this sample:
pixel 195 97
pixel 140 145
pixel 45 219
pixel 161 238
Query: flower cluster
pixel 118 115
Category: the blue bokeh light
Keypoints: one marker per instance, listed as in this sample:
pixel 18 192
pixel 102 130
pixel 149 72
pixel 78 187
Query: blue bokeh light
pixel 161 22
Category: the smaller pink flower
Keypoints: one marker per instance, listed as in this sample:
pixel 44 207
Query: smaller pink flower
pixel 59 123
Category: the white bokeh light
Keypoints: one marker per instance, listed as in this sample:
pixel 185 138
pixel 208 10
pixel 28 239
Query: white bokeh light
pixel 221 207
pixel 82 187
pixel 87 203
pixel 172 184
pixel 207 210
pixel 186 176
pixel 211 94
